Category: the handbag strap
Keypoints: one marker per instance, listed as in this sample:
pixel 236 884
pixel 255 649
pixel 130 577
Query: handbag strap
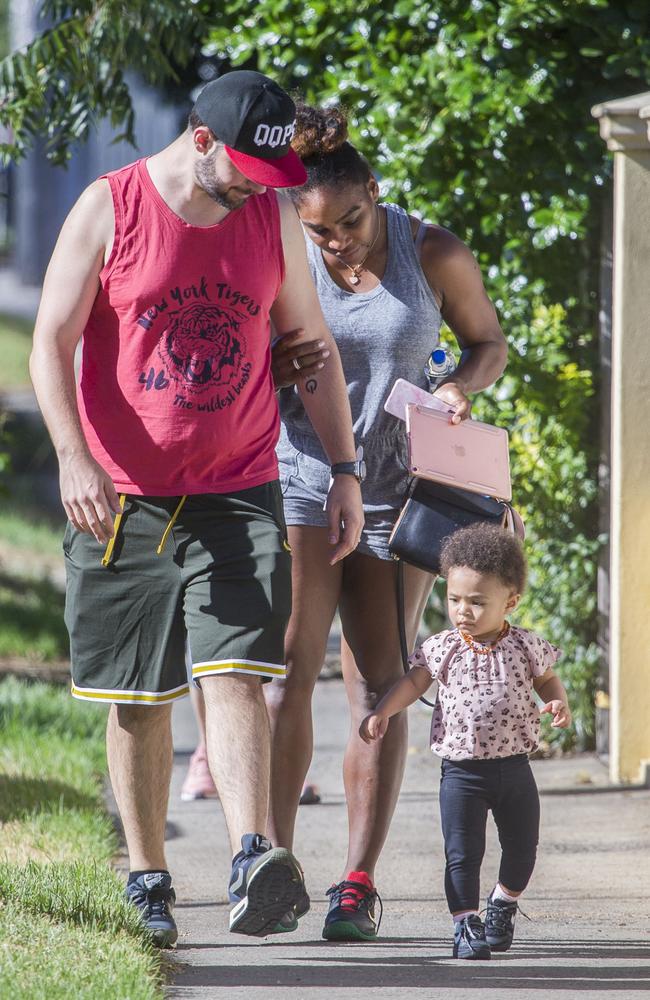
pixel 401 625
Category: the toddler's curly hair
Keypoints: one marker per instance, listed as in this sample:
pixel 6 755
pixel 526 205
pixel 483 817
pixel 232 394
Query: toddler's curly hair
pixel 486 548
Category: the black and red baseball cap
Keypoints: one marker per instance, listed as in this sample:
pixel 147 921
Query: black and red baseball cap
pixel 255 119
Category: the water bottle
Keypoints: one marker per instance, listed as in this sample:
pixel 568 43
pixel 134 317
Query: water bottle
pixel 441 363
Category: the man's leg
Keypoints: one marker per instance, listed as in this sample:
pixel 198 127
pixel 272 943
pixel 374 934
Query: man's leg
pixel 237 602
pixel 266 882
pixel 140 754
pixel 141 624
pixel 238 741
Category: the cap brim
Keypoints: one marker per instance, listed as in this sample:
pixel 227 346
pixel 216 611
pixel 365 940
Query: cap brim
pixel 286 171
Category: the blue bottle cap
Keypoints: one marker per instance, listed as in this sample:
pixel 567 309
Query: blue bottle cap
pixel 438 356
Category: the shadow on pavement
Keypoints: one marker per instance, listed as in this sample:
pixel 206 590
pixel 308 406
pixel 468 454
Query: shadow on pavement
pixel 377 971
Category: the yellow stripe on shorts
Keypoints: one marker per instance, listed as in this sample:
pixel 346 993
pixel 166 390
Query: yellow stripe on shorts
pixel 129 697
pixel 239 666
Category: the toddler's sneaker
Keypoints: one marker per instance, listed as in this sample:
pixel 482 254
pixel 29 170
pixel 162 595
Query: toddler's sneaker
pixel 265 885
pixel 153 895
pixel 469 938
pixel 351 915
pixel 198 782
pixel 500 923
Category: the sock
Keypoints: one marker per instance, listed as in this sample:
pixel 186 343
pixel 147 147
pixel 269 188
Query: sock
pixel 500 893
pixel 351 897
pixel 457 917
pixel 133 876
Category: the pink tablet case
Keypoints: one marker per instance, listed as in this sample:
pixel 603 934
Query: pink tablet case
pixel 471 455
pixel 404 392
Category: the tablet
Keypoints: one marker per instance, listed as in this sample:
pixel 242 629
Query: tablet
pixel 471 455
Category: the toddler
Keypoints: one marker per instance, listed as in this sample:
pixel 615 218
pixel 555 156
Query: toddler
pixel 485 723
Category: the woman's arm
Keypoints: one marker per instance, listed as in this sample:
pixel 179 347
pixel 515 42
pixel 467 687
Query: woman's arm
pixel 455 279
pixel 405 692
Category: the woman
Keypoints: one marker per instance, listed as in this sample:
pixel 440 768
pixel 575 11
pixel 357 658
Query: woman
pixel 385 284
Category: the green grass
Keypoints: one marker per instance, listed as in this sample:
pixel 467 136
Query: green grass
pixel 31 619
pixel 31 604
pixel 65 928
pixel 15 348
pixel 30 530
pixel 46 959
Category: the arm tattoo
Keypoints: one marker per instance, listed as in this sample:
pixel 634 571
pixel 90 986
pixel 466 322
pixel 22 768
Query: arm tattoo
pixel 311 385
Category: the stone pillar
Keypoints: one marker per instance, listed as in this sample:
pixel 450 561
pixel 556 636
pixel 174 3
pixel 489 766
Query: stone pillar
pixel 624 125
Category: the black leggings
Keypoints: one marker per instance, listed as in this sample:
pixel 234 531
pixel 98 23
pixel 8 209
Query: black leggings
pixel 468 789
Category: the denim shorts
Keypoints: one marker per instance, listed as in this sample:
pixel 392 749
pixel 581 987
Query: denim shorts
pixel 305 479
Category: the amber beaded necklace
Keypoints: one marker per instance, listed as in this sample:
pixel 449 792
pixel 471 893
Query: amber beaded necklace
pixel 476 647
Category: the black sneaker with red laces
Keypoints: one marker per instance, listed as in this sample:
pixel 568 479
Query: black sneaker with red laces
pixel 351 915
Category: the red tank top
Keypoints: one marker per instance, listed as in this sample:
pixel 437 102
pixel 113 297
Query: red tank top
pixel 176 394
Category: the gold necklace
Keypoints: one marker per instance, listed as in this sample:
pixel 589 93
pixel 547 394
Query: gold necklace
pixel 478 647
pixel 357 268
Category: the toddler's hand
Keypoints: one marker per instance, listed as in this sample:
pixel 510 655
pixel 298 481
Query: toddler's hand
pixel 560 712
pixel 372 728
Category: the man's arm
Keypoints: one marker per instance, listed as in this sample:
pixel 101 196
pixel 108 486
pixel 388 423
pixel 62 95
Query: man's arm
pixel 324 394
pixel 69 290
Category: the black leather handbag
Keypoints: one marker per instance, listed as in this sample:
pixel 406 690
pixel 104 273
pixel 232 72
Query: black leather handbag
pixel 431 511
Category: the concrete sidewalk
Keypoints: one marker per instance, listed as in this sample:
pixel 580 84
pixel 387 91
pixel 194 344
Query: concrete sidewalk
pixel 588 901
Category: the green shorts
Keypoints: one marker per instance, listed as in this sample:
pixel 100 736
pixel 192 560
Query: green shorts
pixel 213 568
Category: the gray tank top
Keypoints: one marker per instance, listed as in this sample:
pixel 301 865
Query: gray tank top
pixel 384 334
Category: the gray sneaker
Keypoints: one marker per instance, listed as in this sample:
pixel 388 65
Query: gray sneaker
pixel 266 884
pixel 500 923
pixel 153 895
pixel 469 938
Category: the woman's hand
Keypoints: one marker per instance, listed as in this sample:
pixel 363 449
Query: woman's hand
pixel 452 394
pixel 373 727
pixel 294 357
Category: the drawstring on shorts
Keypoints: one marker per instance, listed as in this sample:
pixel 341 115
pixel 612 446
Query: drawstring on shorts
pixel 108 554
pixel 172 521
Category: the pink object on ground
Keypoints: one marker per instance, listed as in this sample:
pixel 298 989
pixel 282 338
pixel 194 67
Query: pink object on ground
pixel 198 782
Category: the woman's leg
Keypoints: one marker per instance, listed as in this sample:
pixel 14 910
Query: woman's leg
pixel 316 586
pixel 198 782
pixel 372 662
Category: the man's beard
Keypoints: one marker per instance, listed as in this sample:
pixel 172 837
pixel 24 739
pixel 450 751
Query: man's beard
pixel 215 189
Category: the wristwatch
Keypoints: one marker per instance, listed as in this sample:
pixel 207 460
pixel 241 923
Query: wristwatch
pixel 356 469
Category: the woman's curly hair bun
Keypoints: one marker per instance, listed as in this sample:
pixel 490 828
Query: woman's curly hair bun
pixel 319 131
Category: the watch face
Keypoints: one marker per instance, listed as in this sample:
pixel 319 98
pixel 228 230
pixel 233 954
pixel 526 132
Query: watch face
pixel 362 470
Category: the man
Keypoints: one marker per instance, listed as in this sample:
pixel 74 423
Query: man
pixel 172 269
